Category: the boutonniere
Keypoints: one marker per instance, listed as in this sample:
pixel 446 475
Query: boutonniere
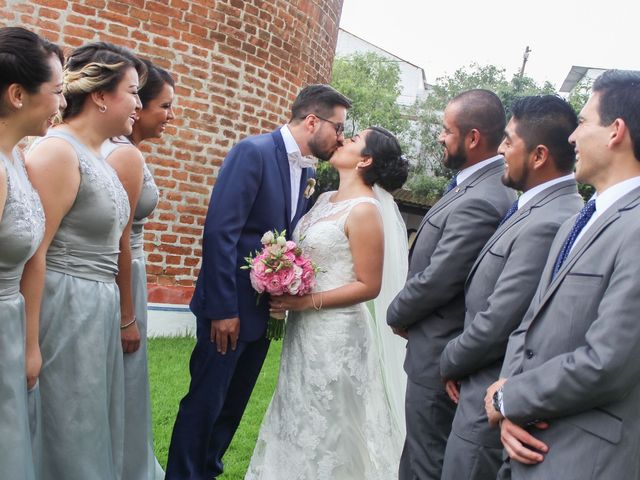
pixel 310 188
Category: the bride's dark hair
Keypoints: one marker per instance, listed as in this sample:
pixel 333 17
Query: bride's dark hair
pixel 389 168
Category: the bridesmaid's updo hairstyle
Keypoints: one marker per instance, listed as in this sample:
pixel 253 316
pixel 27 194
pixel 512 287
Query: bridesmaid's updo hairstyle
pixel 157 78
pixel 94 67
pixel 24 60
pixel 390 167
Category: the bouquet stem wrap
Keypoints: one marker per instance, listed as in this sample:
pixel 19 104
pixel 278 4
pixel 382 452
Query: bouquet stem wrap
pixel 275 326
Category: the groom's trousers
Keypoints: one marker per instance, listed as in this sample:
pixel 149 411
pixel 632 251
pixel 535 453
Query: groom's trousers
pixel 210 412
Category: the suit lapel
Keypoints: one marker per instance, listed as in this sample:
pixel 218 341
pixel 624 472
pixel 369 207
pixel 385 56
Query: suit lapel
pixel 548 194
pixel 583 244
pixel 283 167
pixel 301 198
pixel 458 192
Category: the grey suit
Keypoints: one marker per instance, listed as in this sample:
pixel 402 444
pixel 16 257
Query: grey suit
pixel 431 307
pixel 498 291
pixel 575 359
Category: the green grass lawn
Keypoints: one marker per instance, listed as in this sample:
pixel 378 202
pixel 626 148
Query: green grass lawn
pixel 169 378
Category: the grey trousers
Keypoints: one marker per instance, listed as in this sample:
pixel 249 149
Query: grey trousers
pixel 429 414
pixel 470 461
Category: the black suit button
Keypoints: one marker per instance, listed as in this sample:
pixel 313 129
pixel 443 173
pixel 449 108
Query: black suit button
pixel 529 353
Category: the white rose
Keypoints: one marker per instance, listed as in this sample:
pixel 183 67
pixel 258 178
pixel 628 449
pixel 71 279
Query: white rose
pixel 267 238
pixel 281 241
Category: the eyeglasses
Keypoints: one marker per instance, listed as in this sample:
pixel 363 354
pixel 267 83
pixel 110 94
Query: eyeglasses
pixel 339 126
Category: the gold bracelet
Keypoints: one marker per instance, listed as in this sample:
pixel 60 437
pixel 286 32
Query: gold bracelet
pixel 122 327
pixel 313 300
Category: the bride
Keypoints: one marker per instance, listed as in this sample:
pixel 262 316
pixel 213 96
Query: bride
pixel 337 412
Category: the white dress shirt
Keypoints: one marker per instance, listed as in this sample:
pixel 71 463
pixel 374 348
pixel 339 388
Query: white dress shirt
pixel 529 194
pixel 467 172
pixel 295 170
pixel 606 199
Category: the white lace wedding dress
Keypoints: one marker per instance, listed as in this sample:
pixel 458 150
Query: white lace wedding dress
pixel 331 416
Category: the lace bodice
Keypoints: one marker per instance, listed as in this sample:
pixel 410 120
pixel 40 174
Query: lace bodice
pixel 320 233
pixel 21 227
pixel 147 202
pixel 87 242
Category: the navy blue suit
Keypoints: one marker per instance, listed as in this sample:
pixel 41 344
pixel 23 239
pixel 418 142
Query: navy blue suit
pixel 252 195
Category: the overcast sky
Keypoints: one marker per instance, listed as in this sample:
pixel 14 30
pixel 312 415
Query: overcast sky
pixel 443 36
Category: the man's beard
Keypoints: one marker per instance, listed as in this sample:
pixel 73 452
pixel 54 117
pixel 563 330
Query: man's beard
pixel 454 160
pixel 319 151
pixel 516 184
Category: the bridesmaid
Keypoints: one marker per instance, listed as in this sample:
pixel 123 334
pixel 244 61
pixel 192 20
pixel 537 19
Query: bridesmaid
pixel 30 97
pixel 124 156
pixel 72 275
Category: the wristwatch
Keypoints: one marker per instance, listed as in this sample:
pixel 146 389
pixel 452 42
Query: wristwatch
pixel 497 400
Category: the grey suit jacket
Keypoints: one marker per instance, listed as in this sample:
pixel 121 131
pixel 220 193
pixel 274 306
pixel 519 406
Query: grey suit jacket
pixel 498 291
pixel 431 304
pixel 575 359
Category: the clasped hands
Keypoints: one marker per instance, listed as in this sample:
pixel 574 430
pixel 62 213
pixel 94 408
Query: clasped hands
pixel 520 445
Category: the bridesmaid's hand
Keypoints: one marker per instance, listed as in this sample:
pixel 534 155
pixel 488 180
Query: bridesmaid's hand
pixel 33 366
pixel 282 303
pixel 130 338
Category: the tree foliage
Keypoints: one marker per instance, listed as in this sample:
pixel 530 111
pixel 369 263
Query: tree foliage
pixel 373 83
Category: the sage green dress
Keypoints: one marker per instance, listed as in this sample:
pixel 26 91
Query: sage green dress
pixel 21 231
pixel 81 383
pixel 139 460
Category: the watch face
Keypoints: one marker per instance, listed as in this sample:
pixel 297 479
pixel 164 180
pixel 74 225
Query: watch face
pixel 496 400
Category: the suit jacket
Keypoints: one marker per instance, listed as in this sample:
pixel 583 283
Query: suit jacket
pixel 575 359
pixel 498 292
pixel 431 304
pixel 252 195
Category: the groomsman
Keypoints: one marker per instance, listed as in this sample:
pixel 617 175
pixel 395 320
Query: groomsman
pixel 571 388
pixel 539 162
pixel 430 307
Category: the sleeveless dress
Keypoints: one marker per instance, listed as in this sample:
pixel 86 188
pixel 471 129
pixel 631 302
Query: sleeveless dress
pixel 21 231
pixel 81 382
pixel 139 461
pixel 329 418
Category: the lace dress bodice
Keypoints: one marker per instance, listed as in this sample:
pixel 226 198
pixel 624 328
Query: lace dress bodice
pixel 320 233
pixel 21 226
pixel 87 242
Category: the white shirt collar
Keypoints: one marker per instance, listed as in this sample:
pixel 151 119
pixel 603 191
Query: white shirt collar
pixel 467 172
pixel 529 194
pixel 611 195
pixel 289 142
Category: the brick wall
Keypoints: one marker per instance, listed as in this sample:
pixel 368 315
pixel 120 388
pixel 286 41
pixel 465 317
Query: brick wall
pixel 238 65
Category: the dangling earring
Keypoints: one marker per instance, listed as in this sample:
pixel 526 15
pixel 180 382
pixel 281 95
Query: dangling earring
pixel 102 108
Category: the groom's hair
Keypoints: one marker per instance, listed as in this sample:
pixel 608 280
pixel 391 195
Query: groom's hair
pixel 319 99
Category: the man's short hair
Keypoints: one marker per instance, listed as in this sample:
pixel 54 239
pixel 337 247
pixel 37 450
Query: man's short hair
pixel 619 92
pixel 319 99
pixel 547 120
pixel 481 109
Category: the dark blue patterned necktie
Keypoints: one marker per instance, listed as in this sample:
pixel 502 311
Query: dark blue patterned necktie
pixel 511 211
pixel 583 218
pixel 451 185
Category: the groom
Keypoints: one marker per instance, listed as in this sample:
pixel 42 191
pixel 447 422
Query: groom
pixel 262 186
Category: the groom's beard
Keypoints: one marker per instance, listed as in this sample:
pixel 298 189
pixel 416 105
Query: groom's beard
pixel 320 151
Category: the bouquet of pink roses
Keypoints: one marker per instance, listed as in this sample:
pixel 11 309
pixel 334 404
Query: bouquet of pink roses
pixel 280 268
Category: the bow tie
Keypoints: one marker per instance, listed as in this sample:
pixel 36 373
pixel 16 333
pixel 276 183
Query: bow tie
pixel 296 158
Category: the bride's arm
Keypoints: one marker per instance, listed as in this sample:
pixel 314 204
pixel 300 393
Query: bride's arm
pixel 366 241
